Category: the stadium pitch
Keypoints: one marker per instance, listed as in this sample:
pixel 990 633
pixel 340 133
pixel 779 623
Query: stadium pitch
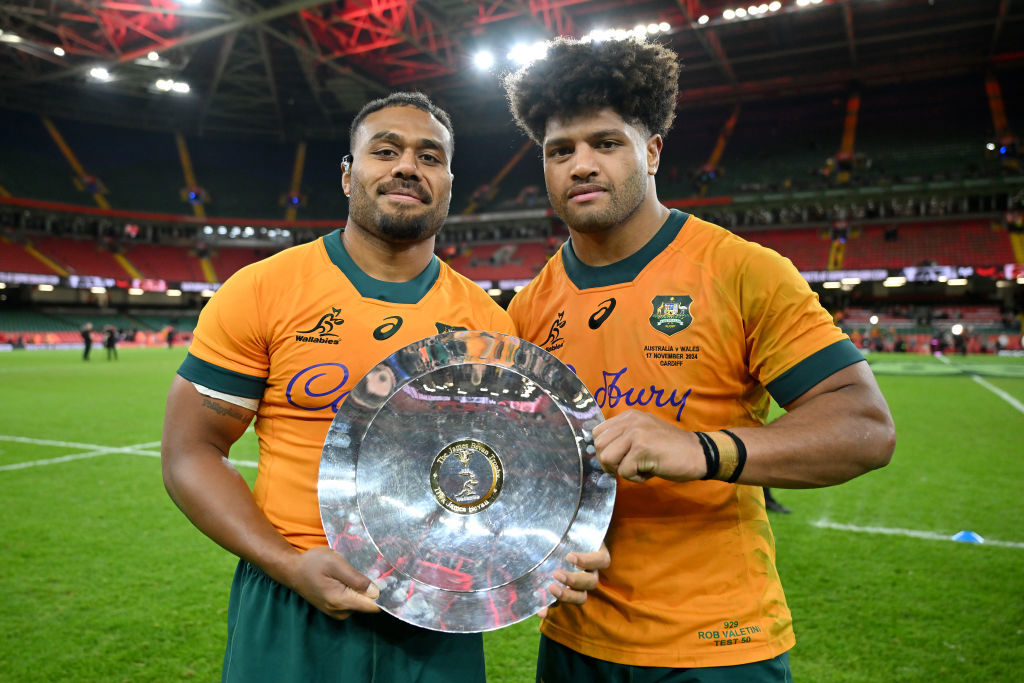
pixel 104 579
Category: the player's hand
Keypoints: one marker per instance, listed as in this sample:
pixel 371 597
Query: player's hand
pixel 331 584
pixel 637 446
pixel 572 587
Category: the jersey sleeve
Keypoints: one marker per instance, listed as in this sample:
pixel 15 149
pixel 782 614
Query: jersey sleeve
pixel 792 341
pixel 229 350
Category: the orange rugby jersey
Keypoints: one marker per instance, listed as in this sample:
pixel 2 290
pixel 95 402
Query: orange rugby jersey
pixel 698 327
pixel 297 331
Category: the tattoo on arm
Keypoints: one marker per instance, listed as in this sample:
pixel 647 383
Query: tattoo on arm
pixel 222 409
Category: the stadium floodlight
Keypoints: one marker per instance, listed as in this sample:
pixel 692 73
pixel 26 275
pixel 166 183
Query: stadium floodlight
pixel 523 54
pixel 59 51
pixel 8 37
pixel 3 285
pixel 956 281
pixel 665 27
pixel 895 281
pixel 703 19
pixel 957 329
pixel 45 288
pixel 653 28
pixel 206 293
pixel 173 292
pixel 851 280
pixel 740 12
pixel 180 87
pixel 164 85
pixel 729 15
pixel 774 6
pixel 153 55
pixel 134 291
pixel 494 292
pixel 483 60
pixel 831 285
pixel 873 320
pixel 98 290
pixel 222 230
pixel 98 73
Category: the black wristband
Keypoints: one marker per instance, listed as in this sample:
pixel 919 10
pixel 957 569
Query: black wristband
pixel 741 456
pixel 711 456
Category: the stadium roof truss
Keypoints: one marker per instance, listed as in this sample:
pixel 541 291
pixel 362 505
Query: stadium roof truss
pixel 302 68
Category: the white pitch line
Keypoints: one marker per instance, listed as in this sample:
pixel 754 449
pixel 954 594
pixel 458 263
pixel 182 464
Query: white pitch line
pixel 995 390
pixel 55 461
pixel 49 442
pixel 89 451
pixel 912 533
pixel 1000 393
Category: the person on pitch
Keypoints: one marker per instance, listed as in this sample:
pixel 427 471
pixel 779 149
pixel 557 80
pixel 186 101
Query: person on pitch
pixel 682 331
pixel 285 340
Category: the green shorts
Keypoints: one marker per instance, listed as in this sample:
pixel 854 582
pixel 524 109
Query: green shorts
pixel 274 635
pixel 559 664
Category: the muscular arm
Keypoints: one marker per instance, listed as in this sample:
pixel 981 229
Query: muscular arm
pixel 837 430
pixel 198 433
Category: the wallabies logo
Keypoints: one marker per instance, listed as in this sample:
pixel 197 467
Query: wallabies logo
pixel 555 340
pixel 324 329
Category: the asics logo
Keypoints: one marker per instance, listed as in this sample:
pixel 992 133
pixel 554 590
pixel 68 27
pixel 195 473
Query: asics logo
pixel 601 314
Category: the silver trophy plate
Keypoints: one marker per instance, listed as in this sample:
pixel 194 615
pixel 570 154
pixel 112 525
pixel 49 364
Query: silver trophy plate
pixel 458 474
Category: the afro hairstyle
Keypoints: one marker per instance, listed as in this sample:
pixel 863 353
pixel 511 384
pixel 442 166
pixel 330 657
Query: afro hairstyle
pixel 636 79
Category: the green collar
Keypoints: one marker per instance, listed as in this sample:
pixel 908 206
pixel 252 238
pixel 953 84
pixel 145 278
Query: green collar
pixel 395 292
pixel 626 270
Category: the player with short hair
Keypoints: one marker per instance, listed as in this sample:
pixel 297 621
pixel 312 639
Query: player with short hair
pixel 285 340
pixel 683 332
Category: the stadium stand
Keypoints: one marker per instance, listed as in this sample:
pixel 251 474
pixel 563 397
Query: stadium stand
pixel 166 262
pixel 14 258
pixel 962 243
pixel 807 248
pixel 498 261
pixel 227 260
pixel 80 257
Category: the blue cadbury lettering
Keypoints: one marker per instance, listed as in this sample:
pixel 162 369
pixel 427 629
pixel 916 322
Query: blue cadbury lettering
pixel 310 375
pixel 611 393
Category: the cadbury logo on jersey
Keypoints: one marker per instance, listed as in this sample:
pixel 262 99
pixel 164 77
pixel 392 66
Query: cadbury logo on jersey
pixel 323 331
pixel 671 313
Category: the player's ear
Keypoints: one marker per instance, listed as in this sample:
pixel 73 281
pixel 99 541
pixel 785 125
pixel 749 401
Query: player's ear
pixel 346 174
pixel 654 144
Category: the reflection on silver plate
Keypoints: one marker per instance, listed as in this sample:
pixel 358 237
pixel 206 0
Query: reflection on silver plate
pixel 459 473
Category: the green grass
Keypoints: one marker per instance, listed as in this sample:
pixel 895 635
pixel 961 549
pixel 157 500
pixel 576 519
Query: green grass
pixel 103 579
